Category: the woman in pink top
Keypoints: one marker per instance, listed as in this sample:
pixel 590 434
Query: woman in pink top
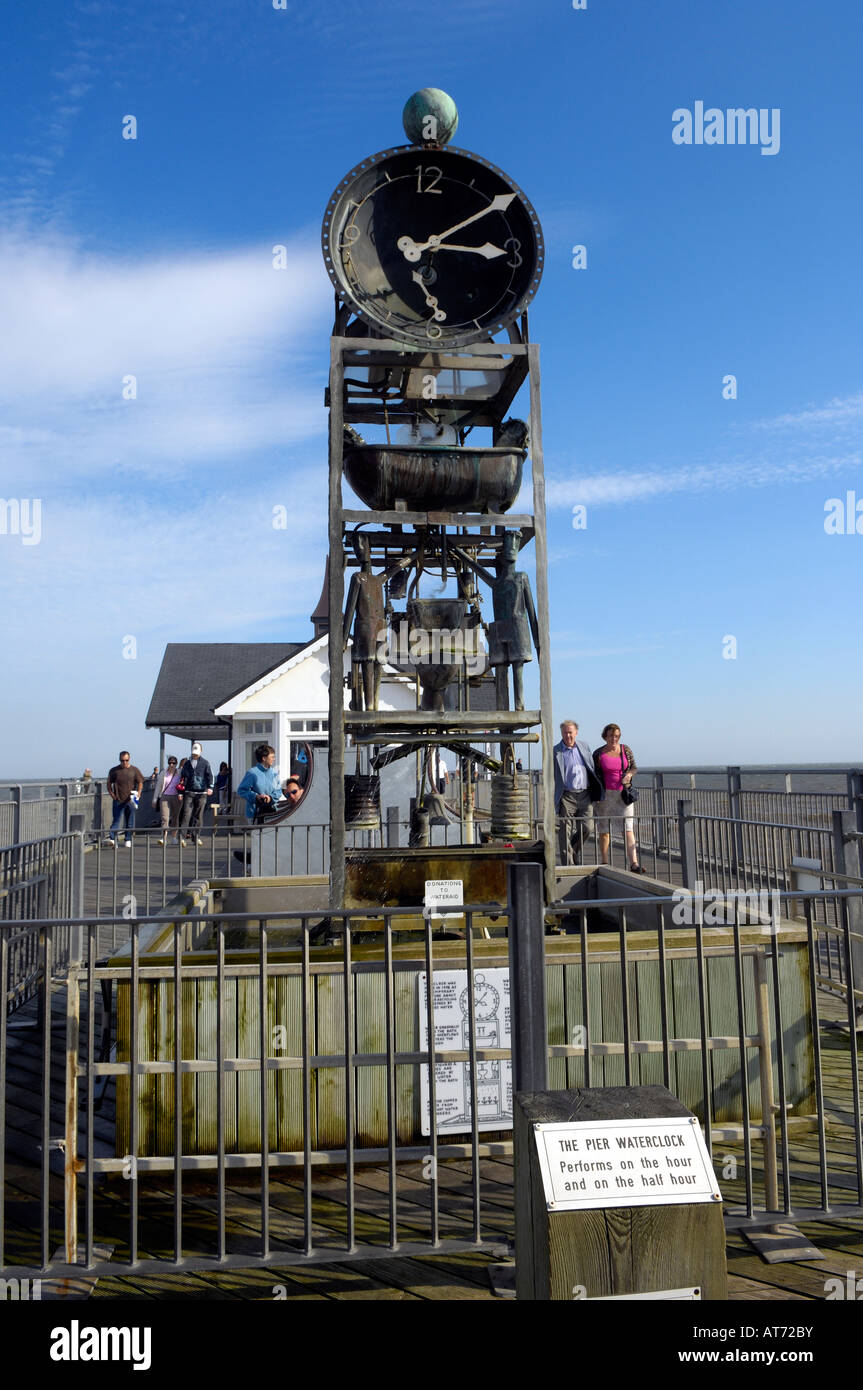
pixel 166 796
pixel 615 767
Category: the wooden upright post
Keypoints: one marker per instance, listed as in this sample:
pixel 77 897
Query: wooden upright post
pixel 545 695
pixel 335 648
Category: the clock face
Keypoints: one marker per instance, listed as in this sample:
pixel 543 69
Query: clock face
pixel 486 1000
pixel 432 246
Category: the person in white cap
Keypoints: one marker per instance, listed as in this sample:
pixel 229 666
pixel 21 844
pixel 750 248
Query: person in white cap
pixel 196 780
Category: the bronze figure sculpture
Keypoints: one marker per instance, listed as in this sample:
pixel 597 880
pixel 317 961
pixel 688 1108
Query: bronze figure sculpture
pixel 366 609
pixel 514 619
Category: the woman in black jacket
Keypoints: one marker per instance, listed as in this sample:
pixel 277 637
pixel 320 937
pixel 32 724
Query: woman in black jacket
pixel 615 767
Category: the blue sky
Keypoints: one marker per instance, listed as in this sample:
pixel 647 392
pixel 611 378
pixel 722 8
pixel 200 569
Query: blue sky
pixel 153 257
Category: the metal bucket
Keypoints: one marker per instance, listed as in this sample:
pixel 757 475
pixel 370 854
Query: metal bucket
pixel 419 831
pixel 510 807
pixel 362 802
pixel 437 615
pixel 436 807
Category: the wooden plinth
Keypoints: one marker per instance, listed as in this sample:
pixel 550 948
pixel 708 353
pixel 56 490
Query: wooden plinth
pixel 606 1252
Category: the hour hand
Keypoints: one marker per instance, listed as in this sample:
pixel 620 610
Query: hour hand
pixel 486 250
pixel 412 252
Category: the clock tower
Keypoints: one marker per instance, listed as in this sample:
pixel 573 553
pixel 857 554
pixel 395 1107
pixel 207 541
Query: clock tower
pixel 435 255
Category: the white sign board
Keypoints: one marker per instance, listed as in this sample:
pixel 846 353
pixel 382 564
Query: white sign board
pixel 441 893
pixel 624 1163
pixel 690 1295
pixel 452 1033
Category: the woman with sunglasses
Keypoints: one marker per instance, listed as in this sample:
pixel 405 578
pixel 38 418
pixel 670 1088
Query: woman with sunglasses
pixel 615 767
pixel 167 797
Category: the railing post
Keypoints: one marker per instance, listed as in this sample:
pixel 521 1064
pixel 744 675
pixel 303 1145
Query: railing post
pixel 16 815
pixel 64 796
pixel 76 905
pixel 70 1127
pixel 659 809
pixel 855 799
pixel 529 1030
pixel 734 790
pixel 686 840
pixel 848 859
pixel 765 1078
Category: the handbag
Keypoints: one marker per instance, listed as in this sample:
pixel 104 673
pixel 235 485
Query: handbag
pixel 628 795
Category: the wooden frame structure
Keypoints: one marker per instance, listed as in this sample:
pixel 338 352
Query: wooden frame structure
pixel 353 402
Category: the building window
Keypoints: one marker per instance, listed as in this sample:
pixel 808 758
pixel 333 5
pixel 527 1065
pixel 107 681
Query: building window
pixel 251 727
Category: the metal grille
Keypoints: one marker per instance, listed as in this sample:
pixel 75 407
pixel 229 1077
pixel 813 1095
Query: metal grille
pixel 713 1013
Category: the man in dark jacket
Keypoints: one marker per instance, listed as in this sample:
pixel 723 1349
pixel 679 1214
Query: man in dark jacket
pixel 196 778
pixel 576 787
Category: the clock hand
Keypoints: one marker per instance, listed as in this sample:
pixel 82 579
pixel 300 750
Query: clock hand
pixel 439 314
pixel 486 250
pixel 412 252
pixel 411 249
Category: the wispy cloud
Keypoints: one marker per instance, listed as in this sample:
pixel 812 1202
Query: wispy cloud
pixel 810 444
pixel 169 568
pixel 839 411
pixel 27 175
pixel 217 345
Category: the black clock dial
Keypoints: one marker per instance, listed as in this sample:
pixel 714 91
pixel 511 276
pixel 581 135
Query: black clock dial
pixel 432 245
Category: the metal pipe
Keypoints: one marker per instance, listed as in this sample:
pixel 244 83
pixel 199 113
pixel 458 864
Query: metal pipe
pixel 768 1102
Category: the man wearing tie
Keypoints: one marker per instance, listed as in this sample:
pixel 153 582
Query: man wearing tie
pixel 576 787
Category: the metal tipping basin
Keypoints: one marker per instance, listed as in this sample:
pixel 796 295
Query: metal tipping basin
pixel 483 480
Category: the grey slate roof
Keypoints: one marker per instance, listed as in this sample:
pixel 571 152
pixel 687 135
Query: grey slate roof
pixel 195 677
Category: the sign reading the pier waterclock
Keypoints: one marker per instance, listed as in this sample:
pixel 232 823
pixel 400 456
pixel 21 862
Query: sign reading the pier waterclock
pixel 624 1163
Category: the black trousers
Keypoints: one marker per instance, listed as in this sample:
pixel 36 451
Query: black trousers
pixel 192 815
pixel 575 824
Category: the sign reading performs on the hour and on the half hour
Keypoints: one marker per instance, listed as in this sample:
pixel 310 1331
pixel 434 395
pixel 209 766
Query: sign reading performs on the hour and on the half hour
pixel 624 1163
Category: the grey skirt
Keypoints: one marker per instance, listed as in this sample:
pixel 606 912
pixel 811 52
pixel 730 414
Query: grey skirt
pixel 612 807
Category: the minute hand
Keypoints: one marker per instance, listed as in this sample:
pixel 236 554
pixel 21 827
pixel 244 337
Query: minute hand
pixel 498 204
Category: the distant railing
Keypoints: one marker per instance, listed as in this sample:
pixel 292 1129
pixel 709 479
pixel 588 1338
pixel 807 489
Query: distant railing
pixel 685 843
pixel 35 810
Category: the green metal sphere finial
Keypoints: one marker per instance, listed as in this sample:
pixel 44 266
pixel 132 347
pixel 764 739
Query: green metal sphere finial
pixel 430 117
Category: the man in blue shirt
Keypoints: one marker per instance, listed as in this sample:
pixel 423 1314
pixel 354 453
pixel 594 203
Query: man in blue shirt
pixel 576 787
pixel 261 787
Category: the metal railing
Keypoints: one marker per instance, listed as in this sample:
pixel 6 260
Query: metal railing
pixel 31 811
pixel 343 1028
pixel 43 878
pixel 149 874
